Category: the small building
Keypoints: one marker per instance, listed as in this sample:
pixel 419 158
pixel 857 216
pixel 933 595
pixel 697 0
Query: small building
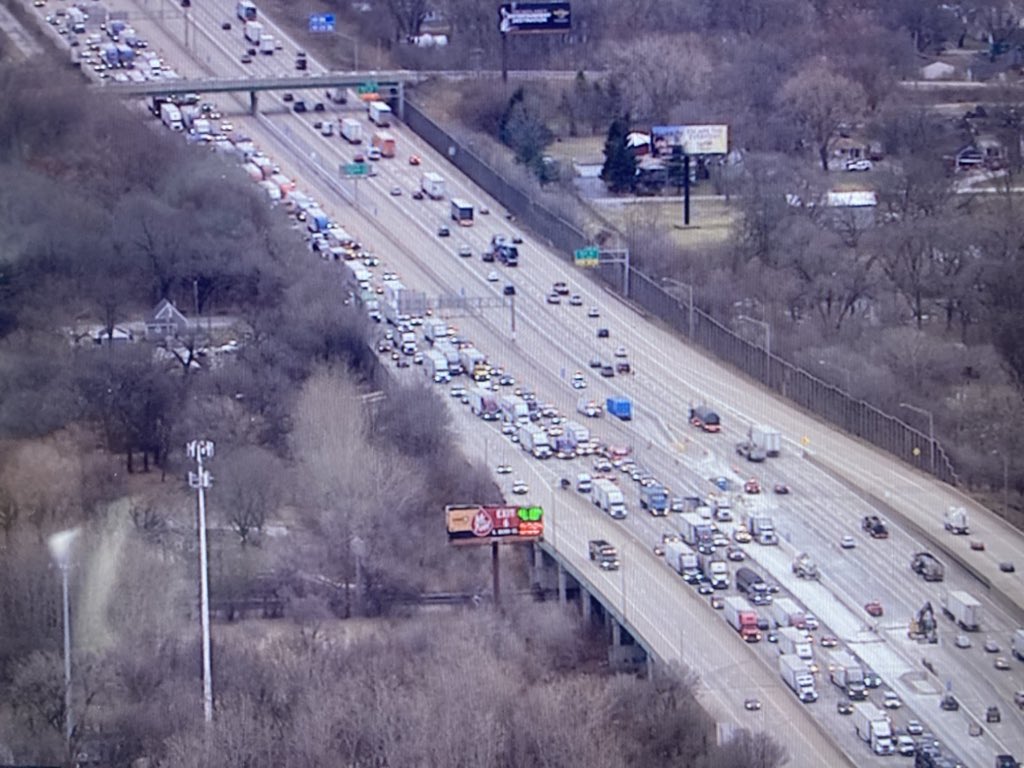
pixel 851 148
pixel 116 337
pixel 166 321
pixel 938 70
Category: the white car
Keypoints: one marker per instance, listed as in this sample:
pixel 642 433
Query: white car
pixel 963 641
pixel 848 542
pixel 891 701
pixel 860 164
pixel 620 352
pixel 578 382
pixel 493 277
pixel 905 745
pixel 504 469
pixel 520 488
pixel 593 312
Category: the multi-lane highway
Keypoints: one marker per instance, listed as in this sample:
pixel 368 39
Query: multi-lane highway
pixel 553 341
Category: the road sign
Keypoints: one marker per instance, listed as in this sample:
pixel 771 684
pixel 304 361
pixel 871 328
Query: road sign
pixel 356 169
pixel 468 524
pixel 587 257
pixel 321 22
pixel 534 17
pixel 368 87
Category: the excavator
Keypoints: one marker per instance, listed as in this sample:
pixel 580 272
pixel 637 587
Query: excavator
pixel 923 626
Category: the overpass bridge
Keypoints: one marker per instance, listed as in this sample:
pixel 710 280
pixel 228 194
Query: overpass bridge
pixel 390 85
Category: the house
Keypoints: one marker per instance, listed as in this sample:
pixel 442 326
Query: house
pixel 851 148
pixel 116 337
pixel 166 321
pixel 986 151
pixel 938 70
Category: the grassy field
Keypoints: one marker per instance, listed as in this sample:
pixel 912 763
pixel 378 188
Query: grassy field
pixel 711 219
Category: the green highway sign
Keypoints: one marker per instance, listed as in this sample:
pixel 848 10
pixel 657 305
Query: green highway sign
pixel 369 87
pixel 356 169
pixel 587 257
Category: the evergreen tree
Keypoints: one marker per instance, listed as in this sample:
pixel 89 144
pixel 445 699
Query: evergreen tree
pixel 619 171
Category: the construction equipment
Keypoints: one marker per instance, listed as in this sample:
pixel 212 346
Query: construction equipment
pixel 923 626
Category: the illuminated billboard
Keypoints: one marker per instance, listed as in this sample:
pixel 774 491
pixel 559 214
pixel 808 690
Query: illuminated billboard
pixel 694 139
pixel 479 524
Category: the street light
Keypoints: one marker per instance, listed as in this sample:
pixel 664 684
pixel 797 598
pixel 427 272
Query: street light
pixel 200 480
pixel 767 344
pixel 689 288
pixel 931 429
pixel 59 545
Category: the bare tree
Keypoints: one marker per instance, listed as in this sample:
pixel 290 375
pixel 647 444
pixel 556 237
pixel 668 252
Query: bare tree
pixel 249 489
pixel 821 101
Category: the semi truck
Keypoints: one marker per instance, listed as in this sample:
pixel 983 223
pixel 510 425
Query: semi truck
pixel 762 529
pixel 514 410
pixel 956 521
pixel 246 10
pixel 714 569
pixel 846 673
pixel 253 32
pixel 963 609
pixel 683 561
pixel 384 142
pixel 768 439
pixel 751 584
pixel 798 677
pixel 484 403
pixel 432 185
pixel 873 727
pixel 741 617
pixel 609 498
pixel 619 406
pixel 351 130
pixel 795 641
pixel 696 531
pixel 380 114
pixel 534 440
pixel 434 330
pixel 170 115
pixel 805 568
pixel 786 613
pixel 1017 645
pixel 436 366
pixel 471 359
pixel 654 499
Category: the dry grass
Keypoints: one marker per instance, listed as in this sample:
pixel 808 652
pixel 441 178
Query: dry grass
pixel 711 219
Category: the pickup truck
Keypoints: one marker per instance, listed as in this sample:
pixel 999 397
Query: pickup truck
pixel 874 526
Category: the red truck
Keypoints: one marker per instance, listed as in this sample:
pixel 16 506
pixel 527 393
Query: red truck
pixel 742 617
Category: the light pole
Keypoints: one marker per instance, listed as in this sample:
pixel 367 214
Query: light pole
pixel 200 480
pixel 931 429
pixel 767 344
pixel 59 545
pixel 689 288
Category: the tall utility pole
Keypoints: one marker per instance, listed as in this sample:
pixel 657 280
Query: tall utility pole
pixel 200 480
pixel 59 545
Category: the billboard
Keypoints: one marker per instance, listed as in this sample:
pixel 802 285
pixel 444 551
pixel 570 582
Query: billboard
pixel 694 139
pixel 534 17
pixel 478 524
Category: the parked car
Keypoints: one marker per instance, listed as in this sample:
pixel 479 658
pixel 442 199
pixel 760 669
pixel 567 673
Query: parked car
pixel 858 164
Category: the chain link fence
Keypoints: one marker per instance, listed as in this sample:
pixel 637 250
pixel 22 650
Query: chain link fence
pixel 796 384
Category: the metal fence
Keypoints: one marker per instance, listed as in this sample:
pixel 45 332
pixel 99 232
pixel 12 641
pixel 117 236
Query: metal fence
pixel 796 384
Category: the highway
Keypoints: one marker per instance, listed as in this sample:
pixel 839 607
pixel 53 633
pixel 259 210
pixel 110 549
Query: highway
pixel 551 342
